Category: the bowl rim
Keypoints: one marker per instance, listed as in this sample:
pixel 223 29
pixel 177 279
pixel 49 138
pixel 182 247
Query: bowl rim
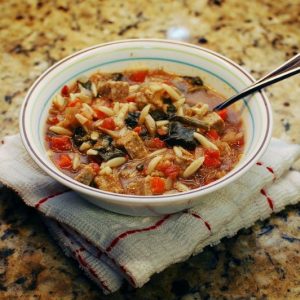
pixel 137 199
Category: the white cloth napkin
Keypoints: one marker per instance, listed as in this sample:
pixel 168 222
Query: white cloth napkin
pixel 110 247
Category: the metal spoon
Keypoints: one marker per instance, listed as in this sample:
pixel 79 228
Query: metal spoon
pixel 289 68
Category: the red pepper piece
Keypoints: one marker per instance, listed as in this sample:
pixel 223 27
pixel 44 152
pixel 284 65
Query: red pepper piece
pixel 60 143
pixel 138 130
pixel 172 171
pixel 138 76
pixel 156 143
pixel 223 114
pixel 130 99
pixel 65 92
pixel 109 124
pixel 213 134
pixel 169 169
pixel 64 161
pixel 212 158
pixel 157 185
pixel 100 114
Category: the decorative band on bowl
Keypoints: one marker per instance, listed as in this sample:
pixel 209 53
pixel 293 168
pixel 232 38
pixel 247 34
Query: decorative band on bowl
pixel 73 183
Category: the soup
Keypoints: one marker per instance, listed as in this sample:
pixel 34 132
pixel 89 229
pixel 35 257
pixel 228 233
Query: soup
pixel 142 132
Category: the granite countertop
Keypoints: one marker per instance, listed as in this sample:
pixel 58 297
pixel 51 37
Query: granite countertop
pixel 262 262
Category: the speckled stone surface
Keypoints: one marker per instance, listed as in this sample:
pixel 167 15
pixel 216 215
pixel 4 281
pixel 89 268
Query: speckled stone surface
pixel 262 262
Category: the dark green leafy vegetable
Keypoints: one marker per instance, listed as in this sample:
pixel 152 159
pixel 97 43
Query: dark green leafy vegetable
pixel 171 109
pixel 106 149
pixel 106 138
pixel 80 136
pixel 158 115
pixel 140 167
pixel 167 100
pixel 194 80
pixel 180 135
pixel 103 142
pixel 117 76
pixel 132 119
pixel 87 85
pixel 110 152
pixel 144 133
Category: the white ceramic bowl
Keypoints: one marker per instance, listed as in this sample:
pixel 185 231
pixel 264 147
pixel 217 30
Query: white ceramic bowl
pixel 217 72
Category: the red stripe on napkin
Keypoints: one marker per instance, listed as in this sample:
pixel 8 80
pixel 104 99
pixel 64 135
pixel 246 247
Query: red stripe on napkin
pixel 133 231
pixel 99 252
pixel 199 217
pixel 82 261
pixel 43 200
pixel 85 264
pixel 259 163
pixel 270 201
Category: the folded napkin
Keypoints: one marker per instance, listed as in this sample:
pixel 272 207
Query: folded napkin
pixel 110 247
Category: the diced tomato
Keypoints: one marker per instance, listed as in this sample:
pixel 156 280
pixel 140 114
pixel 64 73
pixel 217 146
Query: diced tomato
pixel 212 153
pixel 169 169
pixel 64 161
pixel 172 171
pixel 52 120
pixel 156 143
pixel 100 114
pixel 65 91
pixel 75 102
pixel 108 123
pixel 213 134
pixel 212 162
pixel 138 129
pixel 212 158
pixel 157 185
pixel 138 76
pixel 130 99
pixel 223 114
pixel 95 167
pixel 162 166
pixel 60 143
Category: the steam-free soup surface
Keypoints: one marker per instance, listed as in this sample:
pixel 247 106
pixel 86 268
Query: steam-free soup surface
pixel 142 132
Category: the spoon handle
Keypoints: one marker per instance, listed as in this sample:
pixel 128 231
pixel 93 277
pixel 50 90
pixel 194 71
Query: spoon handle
pixel 289 68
